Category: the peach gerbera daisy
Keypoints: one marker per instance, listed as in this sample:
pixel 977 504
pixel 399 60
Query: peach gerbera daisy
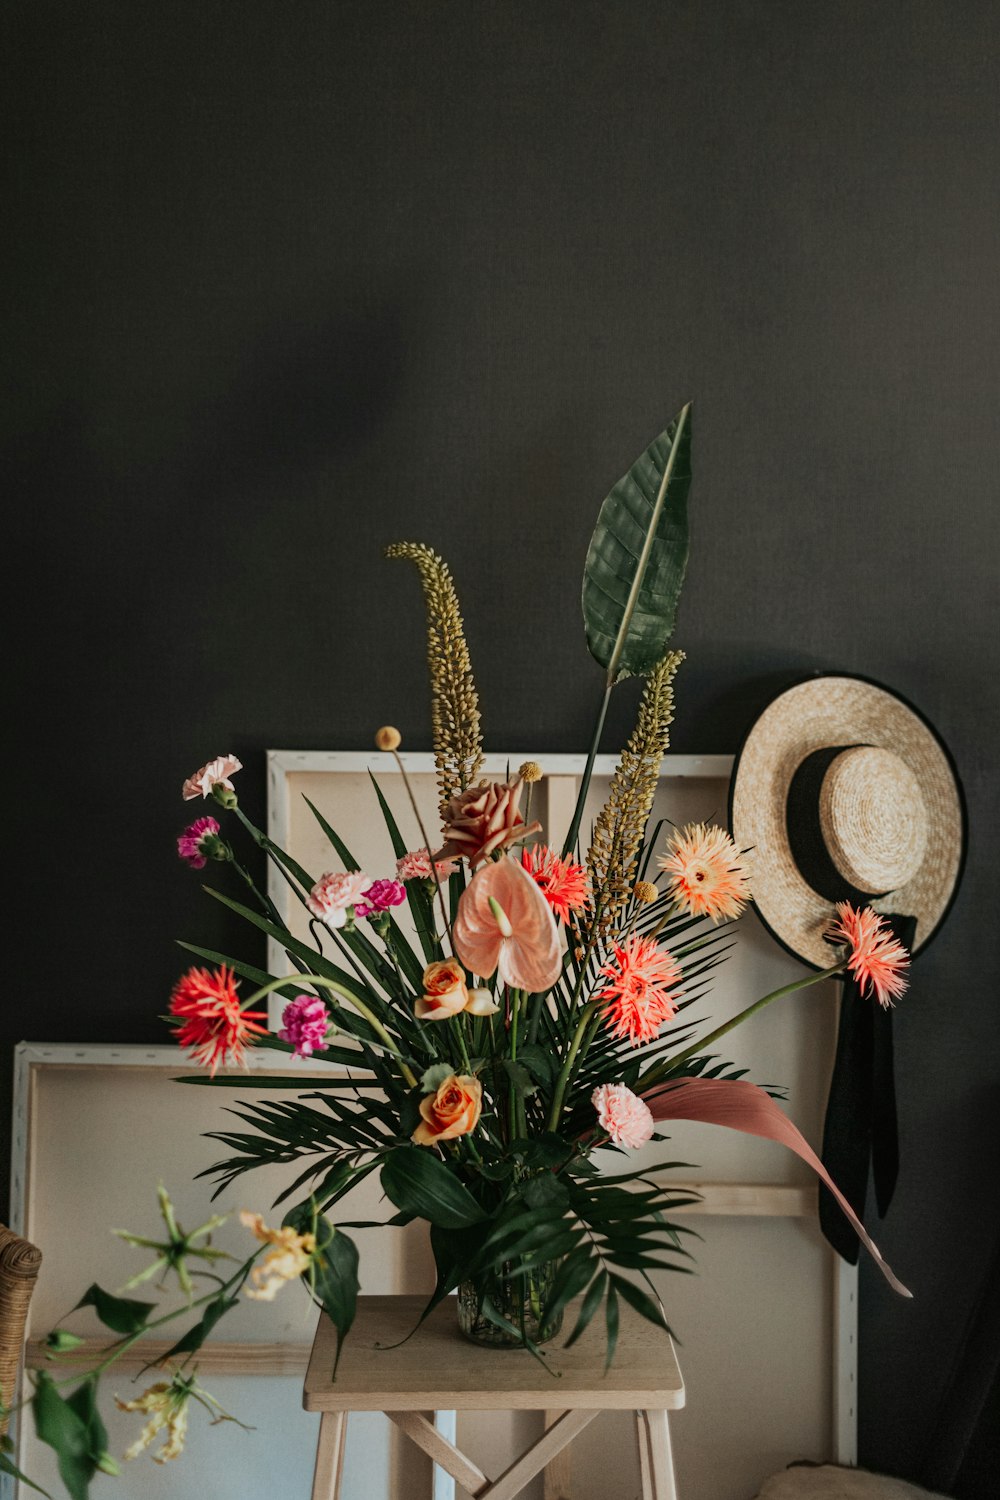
pixel 641 994
pixel 561 882
pixel 211 1021
pixel 876 959
pixel 705 875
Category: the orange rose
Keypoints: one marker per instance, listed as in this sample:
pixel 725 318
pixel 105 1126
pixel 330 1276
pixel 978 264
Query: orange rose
pixel 445 992
pixel 453 1110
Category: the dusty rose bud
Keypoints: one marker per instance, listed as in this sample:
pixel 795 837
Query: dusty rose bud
pixel 388 738
pixel 530 771
pixel 645 891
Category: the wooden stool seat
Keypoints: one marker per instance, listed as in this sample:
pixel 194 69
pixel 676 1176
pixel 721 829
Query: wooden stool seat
pixel 438 1370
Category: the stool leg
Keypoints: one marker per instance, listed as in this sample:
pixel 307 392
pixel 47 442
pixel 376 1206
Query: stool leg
pixel 329 1456
pixel 645 1477
pixel 661 1458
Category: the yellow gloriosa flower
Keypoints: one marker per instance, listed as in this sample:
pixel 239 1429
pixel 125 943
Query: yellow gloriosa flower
pixel 289 1257
pixel 167 1405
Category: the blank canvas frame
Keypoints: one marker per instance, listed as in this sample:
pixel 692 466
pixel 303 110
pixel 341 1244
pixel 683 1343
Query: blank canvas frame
pixel 798 1054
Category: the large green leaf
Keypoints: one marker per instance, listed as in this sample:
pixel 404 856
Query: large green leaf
pixel 120 1314
pixel 419 1183
pixel 637 557
pixel 189 1342
pixel 73 1429
pixel 334 1276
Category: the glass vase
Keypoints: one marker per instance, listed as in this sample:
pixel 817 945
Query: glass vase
pixel 519 1300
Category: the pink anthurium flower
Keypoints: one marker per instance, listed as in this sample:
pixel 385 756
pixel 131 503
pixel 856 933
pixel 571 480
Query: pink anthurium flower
pixel 505 924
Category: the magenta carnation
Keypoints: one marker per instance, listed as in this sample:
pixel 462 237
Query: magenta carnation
pixel 305 1022
pixel 192 843
pixel 380 896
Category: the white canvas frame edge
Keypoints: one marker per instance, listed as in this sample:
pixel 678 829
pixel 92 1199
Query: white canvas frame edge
pixel 282 763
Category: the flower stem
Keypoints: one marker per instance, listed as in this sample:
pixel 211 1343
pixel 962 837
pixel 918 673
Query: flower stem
pixel 574 827
pixel 567 1067
pixel 345 994
pixel 427 845
pixel 671 1063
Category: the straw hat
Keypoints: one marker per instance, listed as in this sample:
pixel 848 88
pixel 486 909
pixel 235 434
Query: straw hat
pixel 843 791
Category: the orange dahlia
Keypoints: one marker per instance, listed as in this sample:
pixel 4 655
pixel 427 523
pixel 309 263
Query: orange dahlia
pixel 705 875
pixel 211 1021
pixel 641 993
pixel 876 959
pixel 561 882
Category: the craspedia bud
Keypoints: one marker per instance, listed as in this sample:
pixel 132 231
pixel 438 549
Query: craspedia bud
pixel 644 892
pixel 530 771
pixel 388 738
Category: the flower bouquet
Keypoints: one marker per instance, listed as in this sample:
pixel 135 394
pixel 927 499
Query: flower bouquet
pixel 497 1005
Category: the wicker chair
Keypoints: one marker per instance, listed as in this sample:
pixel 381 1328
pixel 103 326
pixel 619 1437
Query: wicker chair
pixel 19 1266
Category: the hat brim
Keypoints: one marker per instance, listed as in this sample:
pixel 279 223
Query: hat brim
pixel 832 710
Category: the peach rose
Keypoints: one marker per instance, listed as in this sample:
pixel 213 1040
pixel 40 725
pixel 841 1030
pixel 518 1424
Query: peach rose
pixel 445 992
pixel 452 1110
pixel 484 820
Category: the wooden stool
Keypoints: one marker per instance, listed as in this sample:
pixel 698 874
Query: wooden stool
pixel 438 1370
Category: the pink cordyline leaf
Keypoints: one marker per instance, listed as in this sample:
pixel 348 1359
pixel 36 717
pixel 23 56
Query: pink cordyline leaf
pixel 743 1106
pixel 525 952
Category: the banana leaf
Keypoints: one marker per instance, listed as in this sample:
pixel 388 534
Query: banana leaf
pixel 638 556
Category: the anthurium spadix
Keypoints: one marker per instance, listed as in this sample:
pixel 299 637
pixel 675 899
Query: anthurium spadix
pixel 505 926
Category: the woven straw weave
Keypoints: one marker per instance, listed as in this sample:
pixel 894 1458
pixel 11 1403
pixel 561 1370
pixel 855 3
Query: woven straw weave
pixel 20 1262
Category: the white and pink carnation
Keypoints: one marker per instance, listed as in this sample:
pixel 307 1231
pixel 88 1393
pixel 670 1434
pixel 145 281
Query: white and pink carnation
pixel 333 893
pixel 213 774
pixel 418 865
pixel 622 1115
pixel 216 773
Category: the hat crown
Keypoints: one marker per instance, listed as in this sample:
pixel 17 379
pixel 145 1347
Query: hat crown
pixel 873 819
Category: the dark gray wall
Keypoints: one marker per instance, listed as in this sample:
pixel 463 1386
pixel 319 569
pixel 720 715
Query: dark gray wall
pixel 291 281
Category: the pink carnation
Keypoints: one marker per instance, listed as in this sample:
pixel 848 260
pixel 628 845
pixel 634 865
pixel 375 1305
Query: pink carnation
pixel 379 896
pixel 334 893
pixel 218 770
pixel 622 1115
pixel 305 1022
pixel 191 844
pixel 418 865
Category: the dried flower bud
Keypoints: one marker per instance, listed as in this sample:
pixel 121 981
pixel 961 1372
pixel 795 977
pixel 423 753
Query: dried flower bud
pixel 530 771
pixel 388 738
pixel 644 892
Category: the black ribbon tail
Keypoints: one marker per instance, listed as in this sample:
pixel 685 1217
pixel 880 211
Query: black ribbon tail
pixel 885 1129
pixel 847 1131
pixel 861 1129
